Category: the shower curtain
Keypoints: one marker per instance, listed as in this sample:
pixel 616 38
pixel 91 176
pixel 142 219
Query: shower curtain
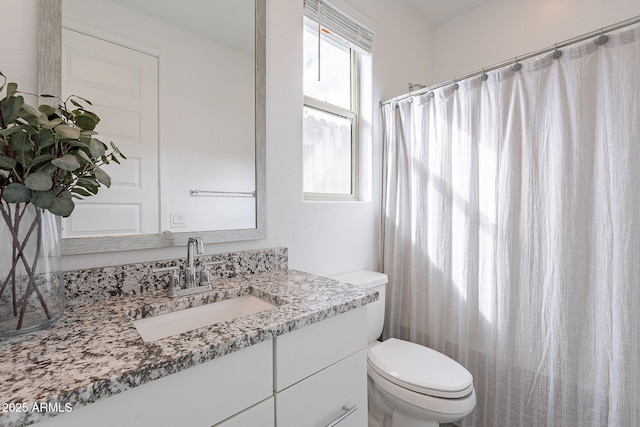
pixel 511 234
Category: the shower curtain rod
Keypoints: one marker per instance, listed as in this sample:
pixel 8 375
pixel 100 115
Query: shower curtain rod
pixel 518 58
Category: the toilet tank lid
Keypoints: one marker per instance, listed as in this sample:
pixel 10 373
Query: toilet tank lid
pixel 362 278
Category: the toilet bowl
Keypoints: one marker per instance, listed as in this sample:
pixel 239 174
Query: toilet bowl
pixel 409 385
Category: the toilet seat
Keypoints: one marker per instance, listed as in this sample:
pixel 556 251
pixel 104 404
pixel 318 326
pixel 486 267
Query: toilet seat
pixel 420 369
pixel 421 406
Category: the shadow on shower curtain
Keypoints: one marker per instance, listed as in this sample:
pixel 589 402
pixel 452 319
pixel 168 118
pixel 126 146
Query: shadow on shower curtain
pixel 511 234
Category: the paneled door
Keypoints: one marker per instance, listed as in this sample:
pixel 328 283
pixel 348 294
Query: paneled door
pixel 122 84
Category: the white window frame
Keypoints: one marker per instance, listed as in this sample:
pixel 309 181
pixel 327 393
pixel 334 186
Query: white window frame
pixel 351 114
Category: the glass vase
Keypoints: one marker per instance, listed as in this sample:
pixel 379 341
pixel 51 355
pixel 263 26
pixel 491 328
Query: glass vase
pixel 31 280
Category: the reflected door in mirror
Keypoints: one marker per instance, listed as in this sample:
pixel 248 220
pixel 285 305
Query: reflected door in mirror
pixel 122 84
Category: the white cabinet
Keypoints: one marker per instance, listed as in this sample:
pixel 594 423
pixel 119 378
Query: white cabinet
pixel 321 373
pixel 202 395
pixel 310 377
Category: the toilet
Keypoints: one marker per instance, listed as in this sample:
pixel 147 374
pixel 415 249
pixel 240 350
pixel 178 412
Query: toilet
pixel 409 385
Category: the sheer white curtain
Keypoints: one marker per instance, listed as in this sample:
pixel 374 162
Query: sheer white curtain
pixel 511 234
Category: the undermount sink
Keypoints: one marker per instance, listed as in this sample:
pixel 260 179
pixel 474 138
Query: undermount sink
pixel 177 322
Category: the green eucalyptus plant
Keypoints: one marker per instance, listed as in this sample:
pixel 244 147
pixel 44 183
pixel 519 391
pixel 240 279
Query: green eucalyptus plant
pixel 48 156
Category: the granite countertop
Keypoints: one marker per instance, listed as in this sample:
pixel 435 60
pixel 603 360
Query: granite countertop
pixel 94 351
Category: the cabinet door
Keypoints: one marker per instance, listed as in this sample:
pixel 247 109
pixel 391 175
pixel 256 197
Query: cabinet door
pixel 199 396
pixel 307 350
pixel 323 398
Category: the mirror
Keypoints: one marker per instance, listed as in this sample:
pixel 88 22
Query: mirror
pixel 207 149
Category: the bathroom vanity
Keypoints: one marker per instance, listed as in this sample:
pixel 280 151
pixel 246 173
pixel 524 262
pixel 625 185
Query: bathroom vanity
pixel 302 362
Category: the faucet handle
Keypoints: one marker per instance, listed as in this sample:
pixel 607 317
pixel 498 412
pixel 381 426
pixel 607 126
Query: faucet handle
pixel 174 283
pixel 205 277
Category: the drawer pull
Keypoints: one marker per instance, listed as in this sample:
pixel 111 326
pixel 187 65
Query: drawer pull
pixel 345 414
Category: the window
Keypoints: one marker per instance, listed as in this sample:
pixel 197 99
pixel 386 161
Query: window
pixel 330 112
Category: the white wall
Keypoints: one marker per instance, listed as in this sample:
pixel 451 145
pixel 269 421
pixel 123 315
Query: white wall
pixel 329 237
pixel 322 238
pixel 502 29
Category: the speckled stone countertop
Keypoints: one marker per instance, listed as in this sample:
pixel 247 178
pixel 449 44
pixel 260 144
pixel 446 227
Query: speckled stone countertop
pixel 94 351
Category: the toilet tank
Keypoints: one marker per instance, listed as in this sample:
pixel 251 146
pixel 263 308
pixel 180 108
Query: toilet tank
pixel 375 310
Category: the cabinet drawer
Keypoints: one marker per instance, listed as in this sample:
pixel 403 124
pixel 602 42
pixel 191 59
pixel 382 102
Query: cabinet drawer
pixel 320 399
pixel 199 396
pixel 260 415
pixel 305 351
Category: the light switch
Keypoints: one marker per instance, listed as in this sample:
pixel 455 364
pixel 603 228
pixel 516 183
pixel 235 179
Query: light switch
pixel 178 220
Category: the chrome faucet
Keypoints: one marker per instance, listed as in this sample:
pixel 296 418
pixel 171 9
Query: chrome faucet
pixel 194 281
pixel 193 242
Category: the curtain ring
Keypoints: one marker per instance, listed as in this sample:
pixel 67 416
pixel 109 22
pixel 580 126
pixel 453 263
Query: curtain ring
pixel 556 53
pixel 483 76
pixel 516 66
pixel 455 85
pixel 602 39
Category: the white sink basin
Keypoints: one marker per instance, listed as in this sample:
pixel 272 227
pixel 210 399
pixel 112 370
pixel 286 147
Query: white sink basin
pixel 177 322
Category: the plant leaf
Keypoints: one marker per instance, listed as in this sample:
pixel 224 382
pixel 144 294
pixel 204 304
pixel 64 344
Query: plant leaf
pixel 66 131
pixel 53 123
pixel 89 185
pixel 77 144
pixel 25 159
pixel 7 163
pixel 47 110
pixel 16 193
pixel 32 110
pixel 62 205
pixel 12 130
pixel 43 199
pixel 85 156
pixel 102 177
pixel 81 191
pixel 85 122
pixel 12 88
pixel 10 107
pixel 68 162
pixel 79 97
pixel 39 181
pixel 46 138
pixel 117 150
pixel 96 148
pixel 41 160
pixel 20 142
pixel 88 182
pixel 49 168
